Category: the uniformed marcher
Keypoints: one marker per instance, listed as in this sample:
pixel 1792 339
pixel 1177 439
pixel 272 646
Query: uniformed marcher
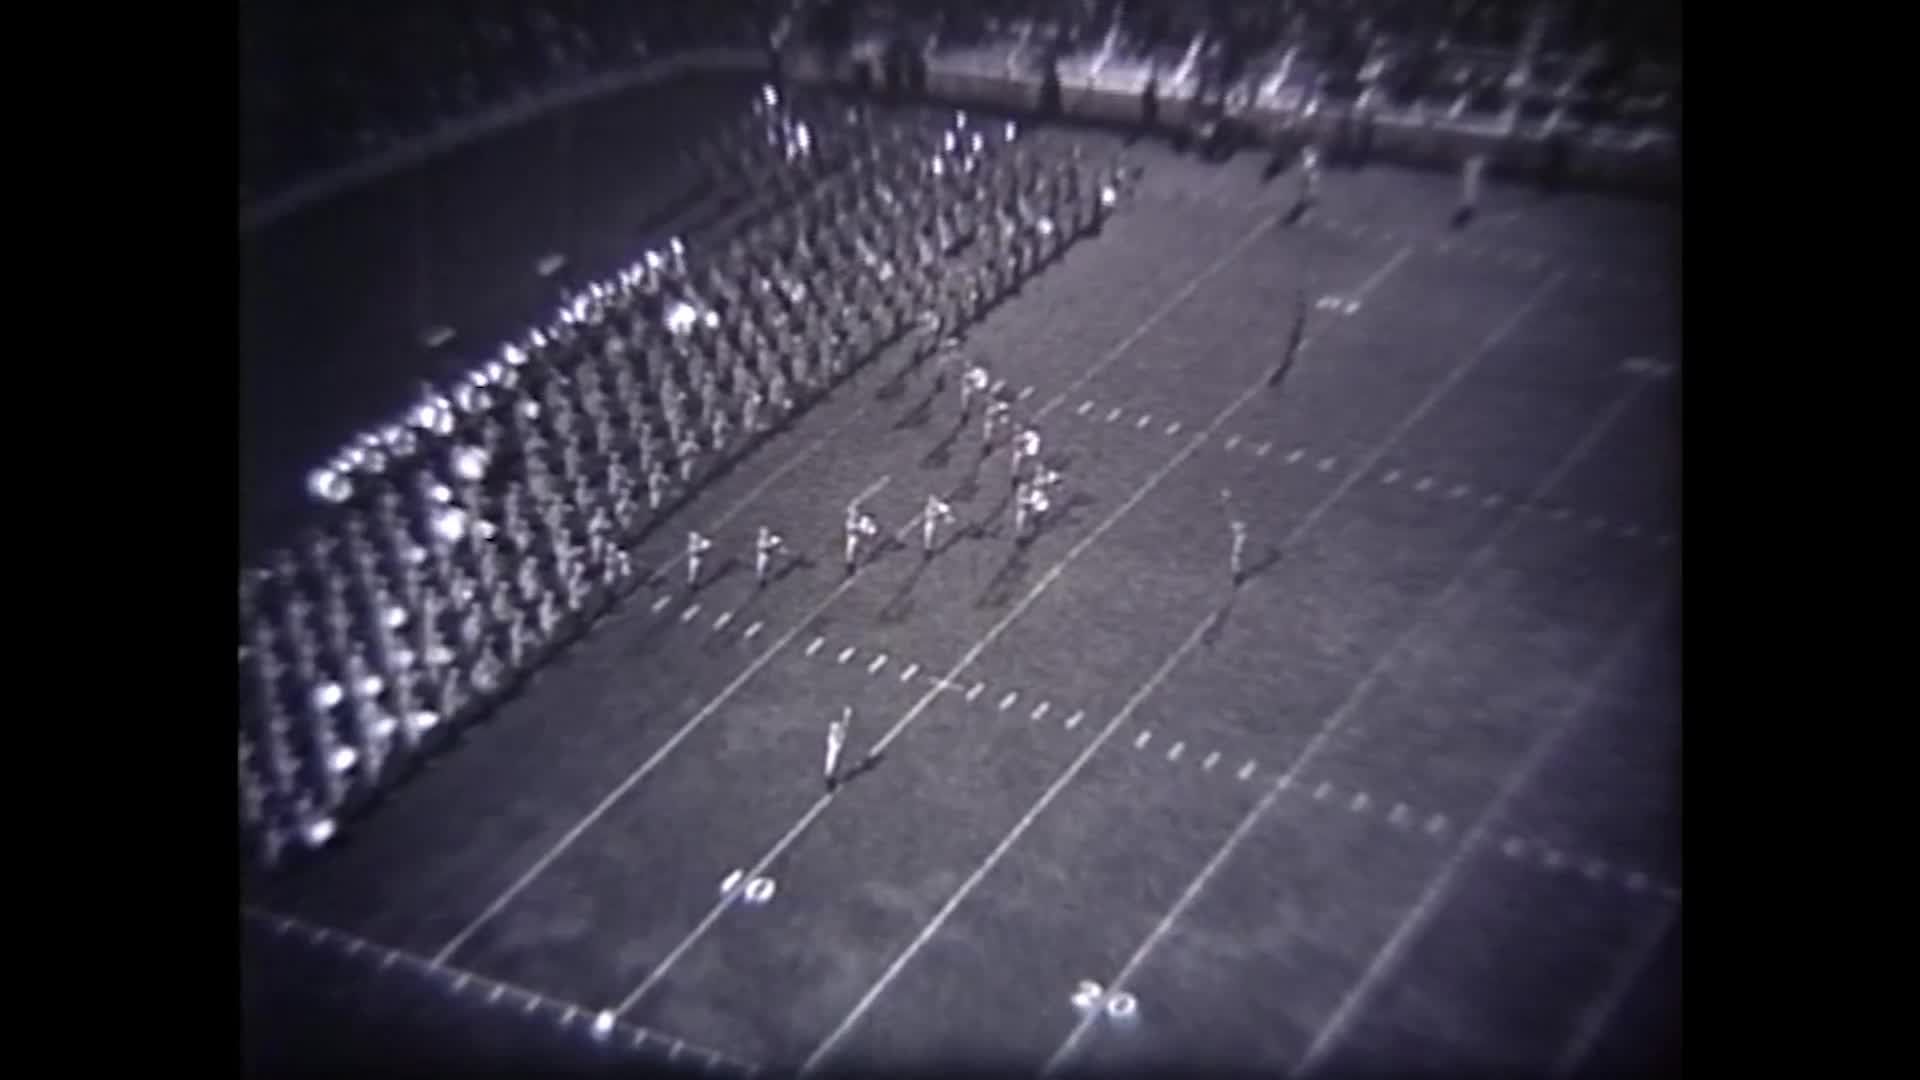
pixel 1026 448
pixel 1030 505
pixel 860 526
pixel 778 394
pixel 697 545
pixel 688 451
pixel 937 512
pixel 836 742
pixel 973 384
pixel 750 410
pixel 943 362
pixel 765 547
pixel 999 414
pixel 648 440
pixel 657 484
pixel 1470 175
pixel 1309 179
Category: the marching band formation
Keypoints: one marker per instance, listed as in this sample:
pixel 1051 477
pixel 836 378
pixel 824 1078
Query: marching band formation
pixel 469 540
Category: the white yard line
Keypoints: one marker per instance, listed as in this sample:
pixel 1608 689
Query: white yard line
pixel 573 834
pixel 599 810
pixel 993 858
pixel 973 653
pixel 1594 1019
pixel 459 979
pixel 1163 311
pixel 1417 917
pixel 966 661
pixel 1193 638
pixel 1339 716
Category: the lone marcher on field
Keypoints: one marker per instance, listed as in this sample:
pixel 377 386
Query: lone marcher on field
pixel 1309 180
pixel 1470 176
pixel 837 741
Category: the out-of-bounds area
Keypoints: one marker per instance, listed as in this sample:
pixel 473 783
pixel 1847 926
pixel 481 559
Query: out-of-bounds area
pixel 1405 797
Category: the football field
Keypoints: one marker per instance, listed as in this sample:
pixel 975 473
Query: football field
pixel 1406 795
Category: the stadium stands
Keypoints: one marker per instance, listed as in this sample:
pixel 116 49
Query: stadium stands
pixel 1592 64
pixel 324 85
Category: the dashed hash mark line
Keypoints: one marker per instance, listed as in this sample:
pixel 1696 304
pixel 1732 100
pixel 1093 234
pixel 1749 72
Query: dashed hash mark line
pixel 1437 826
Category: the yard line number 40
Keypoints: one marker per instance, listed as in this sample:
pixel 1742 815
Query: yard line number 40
pixel 1119 1006
pixel 758 890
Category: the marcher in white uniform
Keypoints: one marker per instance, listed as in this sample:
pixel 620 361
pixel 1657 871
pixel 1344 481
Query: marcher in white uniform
pixel 697 545
pixel 837 741
pixel 1026 447
pixel 656 485
pixel 1030 505
pixel 973 384
pixel 936 512
pixel 859 527
pixel 750 413
pixel 1471 173
pixel 998 414
pixel 765 546
pixel 688 451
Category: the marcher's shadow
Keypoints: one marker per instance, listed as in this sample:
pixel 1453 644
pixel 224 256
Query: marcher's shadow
pixel 979 462
pixel 895 387
pixel 886 544
pixel 1069 510
pixel 954 537
pixel 989 525
pixel 794 565
pixel 1267 561
pixel 900 604
pixel 862 767
pixel 720 573
pixel 942 452
pixel 999 590
pixel 1294 215
pixel 917 416
pixel 1462 218
pixel 754 598
pixel 1218 624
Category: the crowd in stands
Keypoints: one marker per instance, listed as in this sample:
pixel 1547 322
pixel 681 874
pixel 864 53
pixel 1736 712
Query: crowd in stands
pixel 1595 62
pixel 464 543
pixel 325 84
